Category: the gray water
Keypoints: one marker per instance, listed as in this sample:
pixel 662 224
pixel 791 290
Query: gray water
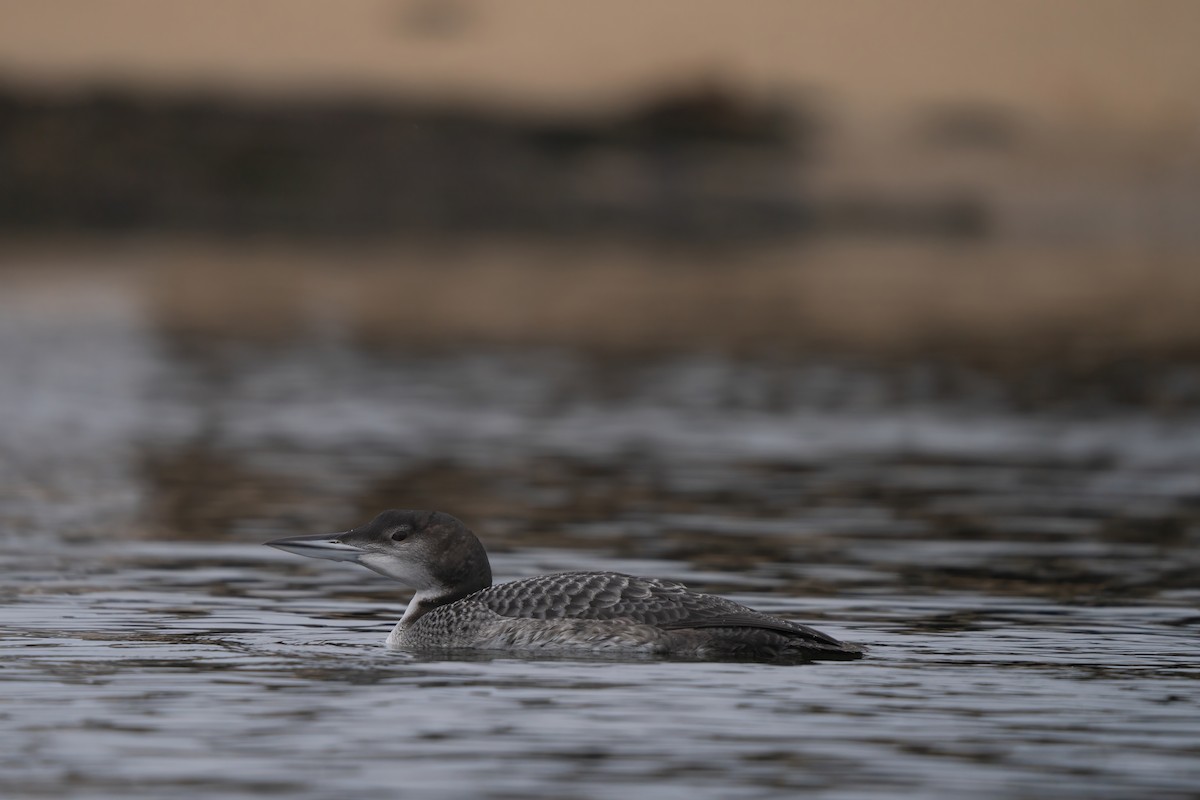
pixel 1026 581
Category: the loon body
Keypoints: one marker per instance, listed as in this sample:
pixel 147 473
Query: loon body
pixel 456 607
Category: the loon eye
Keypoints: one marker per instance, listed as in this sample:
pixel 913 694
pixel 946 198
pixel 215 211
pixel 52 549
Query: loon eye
pixel 400 534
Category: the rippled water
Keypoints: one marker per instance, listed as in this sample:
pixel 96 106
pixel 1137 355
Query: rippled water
pixel 1027 582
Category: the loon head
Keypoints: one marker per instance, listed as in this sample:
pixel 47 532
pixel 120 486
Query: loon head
pixel 429 551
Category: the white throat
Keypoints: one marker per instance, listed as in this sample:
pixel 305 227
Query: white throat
pixel 414 609
pixel 413 612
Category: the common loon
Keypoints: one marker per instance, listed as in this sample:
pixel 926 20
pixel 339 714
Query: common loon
pixel 456 607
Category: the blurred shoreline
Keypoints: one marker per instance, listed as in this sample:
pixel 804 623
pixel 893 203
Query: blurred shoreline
pixel 693 218
pixel 697 160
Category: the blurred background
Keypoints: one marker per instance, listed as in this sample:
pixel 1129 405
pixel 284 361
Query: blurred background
pixel 880 315
pixel 406 237
pixel 282 264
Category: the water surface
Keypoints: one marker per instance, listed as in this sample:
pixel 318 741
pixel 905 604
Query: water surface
pixel 1026 580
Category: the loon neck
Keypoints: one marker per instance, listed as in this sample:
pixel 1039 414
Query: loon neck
pixel 426 600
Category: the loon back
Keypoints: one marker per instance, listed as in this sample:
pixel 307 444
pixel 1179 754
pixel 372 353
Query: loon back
pixel 456 606
pixel 615 596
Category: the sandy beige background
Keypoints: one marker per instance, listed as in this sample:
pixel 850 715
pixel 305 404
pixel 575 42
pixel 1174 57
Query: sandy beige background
pixel 1127 59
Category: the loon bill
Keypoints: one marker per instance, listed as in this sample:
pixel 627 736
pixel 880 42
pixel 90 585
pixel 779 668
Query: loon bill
pixel 456 607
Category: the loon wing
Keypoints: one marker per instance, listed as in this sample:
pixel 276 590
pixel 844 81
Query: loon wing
pixel 614 596
pixel 754 619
